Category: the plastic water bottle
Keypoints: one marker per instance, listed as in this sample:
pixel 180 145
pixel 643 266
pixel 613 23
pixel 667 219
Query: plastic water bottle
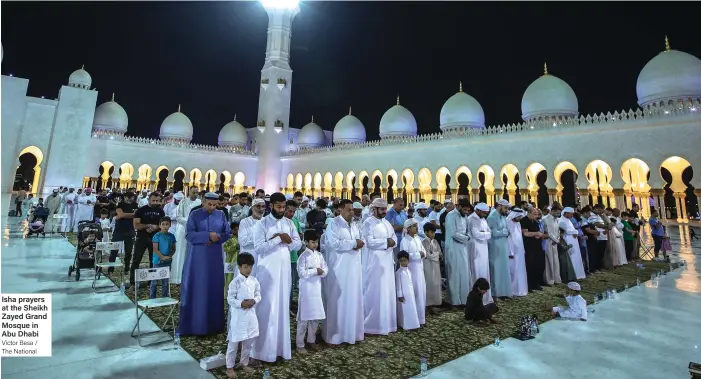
pixel 176 340
pixel 614 294
pixel 637 282
pixel 424 367
pixel 122 289
pixel 625 288
pixel 497 341
pixel 534 327
pixel 266 374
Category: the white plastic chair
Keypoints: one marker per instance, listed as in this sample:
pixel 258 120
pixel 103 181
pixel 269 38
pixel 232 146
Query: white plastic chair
pixel 104 249
pixel 147 275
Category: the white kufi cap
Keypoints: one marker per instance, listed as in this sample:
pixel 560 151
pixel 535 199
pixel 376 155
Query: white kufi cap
pixel 482 207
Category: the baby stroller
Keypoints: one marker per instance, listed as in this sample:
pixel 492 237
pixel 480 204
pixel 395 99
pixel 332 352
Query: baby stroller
pixel 38 220
pixel 89 234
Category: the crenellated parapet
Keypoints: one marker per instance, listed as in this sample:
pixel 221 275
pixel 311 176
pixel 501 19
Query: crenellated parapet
pixel 110 135
pixel 667 112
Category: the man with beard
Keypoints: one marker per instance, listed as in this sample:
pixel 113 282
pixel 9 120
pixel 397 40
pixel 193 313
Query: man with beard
pixel 146 220
pixel 221 206
pixel 480 234
pixel 420 218
pixel 274 238
pixel 182 214
pixel 124 229
pixel 499 265
pixel 246 231
pixel 379 295
pixel 457 264
pixel 551 227
pixel 202 291
pixel 53 202
pixel 535 257
pixel 344 287
pixel 240 211
pixel 171 210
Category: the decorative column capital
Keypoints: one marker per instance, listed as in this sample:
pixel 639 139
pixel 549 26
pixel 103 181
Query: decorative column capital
pixel 618 192
pixel 524 192
pixel 475 191
pixel 697 192
pixel 552 191
pixel 583 192
pixel 657 192
pixel 499 192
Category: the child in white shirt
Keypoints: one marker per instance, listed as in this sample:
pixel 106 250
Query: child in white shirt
pixel 576 305
pixel 311 267
pixel 243 294
pixel 105 225
pixel 407 315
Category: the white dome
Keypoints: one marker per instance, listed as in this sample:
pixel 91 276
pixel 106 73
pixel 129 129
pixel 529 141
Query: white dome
pixel 81 78
pixel 176 126
pixel 349 129
pixel 110 116
pixel 233 134
pixel 311 135
pixel 671 75
pixel 549 96
pixel 462 110
pixel 397 122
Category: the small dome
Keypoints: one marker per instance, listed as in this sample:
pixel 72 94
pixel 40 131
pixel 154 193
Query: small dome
pixel 80 78
pixel 549 96
pixel 110 116
pixel 462 110
pixel 671 75
pixel 233 134
pixel 397 122
pixel 176 126
pixel 349 129
pixel 311 135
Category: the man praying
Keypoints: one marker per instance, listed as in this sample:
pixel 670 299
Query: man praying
pixel 201 295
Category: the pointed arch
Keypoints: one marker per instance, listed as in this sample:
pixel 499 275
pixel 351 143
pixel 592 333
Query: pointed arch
pixel 634 173
pixel 290 182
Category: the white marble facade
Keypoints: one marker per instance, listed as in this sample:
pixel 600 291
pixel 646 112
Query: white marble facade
pixel 617 156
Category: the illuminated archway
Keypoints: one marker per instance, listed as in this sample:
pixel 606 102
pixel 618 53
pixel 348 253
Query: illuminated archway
pixel 317 184
pixel 36 170
pixel 179 175
pixel 677 188
pixel 598 174
pixel 570 185
pixel 210 180
pixel 126 175
pixel 225 181
pixel 106 169
pixel 298 182
pixel 239 180
pixel 364 182
pixel 536 177
pixel 442 183
pixel 391 185
pixel 308 183
pixel 196 178
pixel 509 177
pixel 351 184
pixel 328 185
pixel 425 179
pixel 290 183
pixel 463 180
pixel 144 181
pixel 485 177
pixel 338 183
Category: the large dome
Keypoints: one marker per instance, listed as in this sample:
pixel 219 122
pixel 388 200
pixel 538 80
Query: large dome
pixel 462 110
pixel 177 127
pixel 233 134
pixel 80 78
pixel 311 135
pixel 349 129
pixel 397 122
pixel 110 116
pixel 549 96
pixel 671 75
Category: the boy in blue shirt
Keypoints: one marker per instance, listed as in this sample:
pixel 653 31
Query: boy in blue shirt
pixel 163 251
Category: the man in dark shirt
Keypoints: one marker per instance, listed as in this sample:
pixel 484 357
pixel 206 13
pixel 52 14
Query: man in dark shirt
pixel 101 202
pixel 223 201
pixel 124 228
pixel 535 256
pixel 146 220
pixel 201 201
pixel 316 218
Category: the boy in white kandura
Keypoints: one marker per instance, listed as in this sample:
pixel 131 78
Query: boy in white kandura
pixel 311 267
pixel 576 305
pixel 411 243
pixel 244 293
pixel 407 315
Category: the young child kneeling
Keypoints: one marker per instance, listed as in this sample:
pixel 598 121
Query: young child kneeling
pixel 407 314
pixel 311 268
pixel 244 293
pixel 475 310
pixel 576 305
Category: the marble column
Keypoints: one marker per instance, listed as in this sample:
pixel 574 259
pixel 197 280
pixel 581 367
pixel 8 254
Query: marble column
pixel 552 196
pixel 524 194
pixel 498 195
pixel 534 198
pixel 490 198
pixel 683 214
pixel 512 196
pixel 417 194
pixel 475 196
pixel 619 199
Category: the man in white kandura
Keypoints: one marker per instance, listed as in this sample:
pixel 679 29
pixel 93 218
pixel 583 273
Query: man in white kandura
pixel 379 293
pixel 479 232
pixel 571 237
pixel 344 286
pixel 246 231
pixel 70 205
pixel 181 215
pixel 274 237
pixel 86 205
pixel 457 263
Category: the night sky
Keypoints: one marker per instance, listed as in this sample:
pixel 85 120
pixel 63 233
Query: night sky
pixel 207 56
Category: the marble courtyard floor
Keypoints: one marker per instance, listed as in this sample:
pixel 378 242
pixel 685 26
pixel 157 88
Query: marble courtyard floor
pixel 648 332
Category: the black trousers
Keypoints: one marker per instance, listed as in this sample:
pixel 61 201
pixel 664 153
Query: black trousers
pixel 600 251
pixel 629 249
pixel 128 248
pixel 140 246
pixel 592 254
pixel 658 243
pixel 535 266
